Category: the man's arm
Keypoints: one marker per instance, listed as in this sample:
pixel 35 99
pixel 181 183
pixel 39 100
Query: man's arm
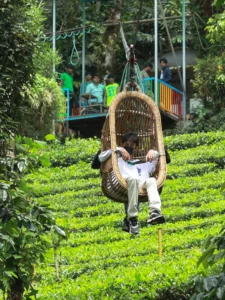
pixel 152 156
pixel 88 89
pixel 168 76
pixel 103 156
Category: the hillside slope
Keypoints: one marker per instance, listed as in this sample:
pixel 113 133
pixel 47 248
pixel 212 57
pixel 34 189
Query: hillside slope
pixel 99 260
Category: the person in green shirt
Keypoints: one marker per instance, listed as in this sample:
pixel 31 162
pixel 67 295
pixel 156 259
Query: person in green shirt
pixel 148 85
pixel 112 89
pixel 66 82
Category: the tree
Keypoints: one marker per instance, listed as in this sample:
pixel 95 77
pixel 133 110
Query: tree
pixel 104 46
pixel 23 223
pixel 21 23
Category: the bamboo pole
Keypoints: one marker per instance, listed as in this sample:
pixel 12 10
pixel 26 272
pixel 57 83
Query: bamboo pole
pixel 160 242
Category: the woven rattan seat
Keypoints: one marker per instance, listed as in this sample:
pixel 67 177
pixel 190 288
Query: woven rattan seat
pixel 131 111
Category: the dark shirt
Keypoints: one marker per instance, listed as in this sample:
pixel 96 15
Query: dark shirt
pixel 167 75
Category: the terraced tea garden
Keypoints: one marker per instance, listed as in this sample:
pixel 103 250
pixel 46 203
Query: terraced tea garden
pixel 100 261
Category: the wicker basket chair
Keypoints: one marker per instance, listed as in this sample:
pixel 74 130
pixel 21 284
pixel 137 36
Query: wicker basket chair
pixel 131 111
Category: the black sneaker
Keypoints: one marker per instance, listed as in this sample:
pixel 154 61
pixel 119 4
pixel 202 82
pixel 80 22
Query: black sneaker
pixel 156 218
pixel 134 226
pixel 125 225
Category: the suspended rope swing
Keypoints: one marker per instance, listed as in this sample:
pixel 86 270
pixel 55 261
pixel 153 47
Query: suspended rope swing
pixel 131 111
pixel 74 53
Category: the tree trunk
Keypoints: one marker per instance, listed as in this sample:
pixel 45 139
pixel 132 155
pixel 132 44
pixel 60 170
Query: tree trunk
pixel 16 290
pixel 111 35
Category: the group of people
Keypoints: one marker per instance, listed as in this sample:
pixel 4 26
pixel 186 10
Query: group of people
pixel 105 93
pixel 99 93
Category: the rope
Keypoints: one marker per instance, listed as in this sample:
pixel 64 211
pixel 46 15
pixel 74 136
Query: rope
pixel 63 36
pixel 126 48
pixel 74 51
pixel 126 76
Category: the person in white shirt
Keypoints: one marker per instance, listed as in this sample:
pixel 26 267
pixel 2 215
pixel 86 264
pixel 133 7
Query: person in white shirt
pixel 137 176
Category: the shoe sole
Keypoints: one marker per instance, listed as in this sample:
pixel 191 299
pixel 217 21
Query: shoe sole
pixel 157 220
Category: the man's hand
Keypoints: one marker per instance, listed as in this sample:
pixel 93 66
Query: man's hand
pixel 150 155
pixel 125 154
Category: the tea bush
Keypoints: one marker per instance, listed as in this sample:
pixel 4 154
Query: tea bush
pixel 99 260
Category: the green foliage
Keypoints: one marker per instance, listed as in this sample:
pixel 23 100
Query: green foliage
pixel 43 59
pixel 185 141
pixel 105 40
pixel 98 260
pixel 23 222
pixel 21 24
pixel 215 28
pixel 73 152
pixel 47 104
pixel 209 80
pixel 212 287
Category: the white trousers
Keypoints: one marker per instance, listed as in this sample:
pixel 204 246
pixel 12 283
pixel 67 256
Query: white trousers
pixel 153 196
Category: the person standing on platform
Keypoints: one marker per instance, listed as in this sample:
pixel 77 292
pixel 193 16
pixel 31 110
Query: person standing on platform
pixel 166 74
pixel 112 89
pixel 96 89
pixel 66 83
pixel 83 86
pixel 148 84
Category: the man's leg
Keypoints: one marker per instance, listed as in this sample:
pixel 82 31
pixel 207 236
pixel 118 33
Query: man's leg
pixel 73 100
pixel 154 202
pixel 125 225
pixel 132 210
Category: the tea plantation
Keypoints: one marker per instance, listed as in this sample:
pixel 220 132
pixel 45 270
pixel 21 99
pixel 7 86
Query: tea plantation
pixel 100 261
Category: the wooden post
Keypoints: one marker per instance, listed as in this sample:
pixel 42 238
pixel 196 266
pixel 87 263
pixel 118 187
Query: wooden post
pixel 160 242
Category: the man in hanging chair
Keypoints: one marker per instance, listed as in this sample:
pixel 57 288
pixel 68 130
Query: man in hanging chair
pixel 137 176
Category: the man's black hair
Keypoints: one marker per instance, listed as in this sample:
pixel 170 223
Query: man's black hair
pixel 163 60
pixel 110 76
pixel 148 65
pixel 69 66
pixel 96 75
pixel 88 73
pixel 130 136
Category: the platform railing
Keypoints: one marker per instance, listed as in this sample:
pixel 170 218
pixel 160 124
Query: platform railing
pixel 170 98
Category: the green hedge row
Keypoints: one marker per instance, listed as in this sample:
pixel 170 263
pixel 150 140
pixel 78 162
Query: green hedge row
pixel 185 141
pixel 99 260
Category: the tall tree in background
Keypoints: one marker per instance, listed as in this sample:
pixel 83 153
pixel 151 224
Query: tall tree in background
pixel 23 223
pixel 20 23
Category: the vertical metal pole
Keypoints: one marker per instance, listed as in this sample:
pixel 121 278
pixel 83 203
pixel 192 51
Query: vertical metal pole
pixel 68 111
pixel 156 50
pixel 53 31
pixel 53 46
pixel 83 46
pixel 184 57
